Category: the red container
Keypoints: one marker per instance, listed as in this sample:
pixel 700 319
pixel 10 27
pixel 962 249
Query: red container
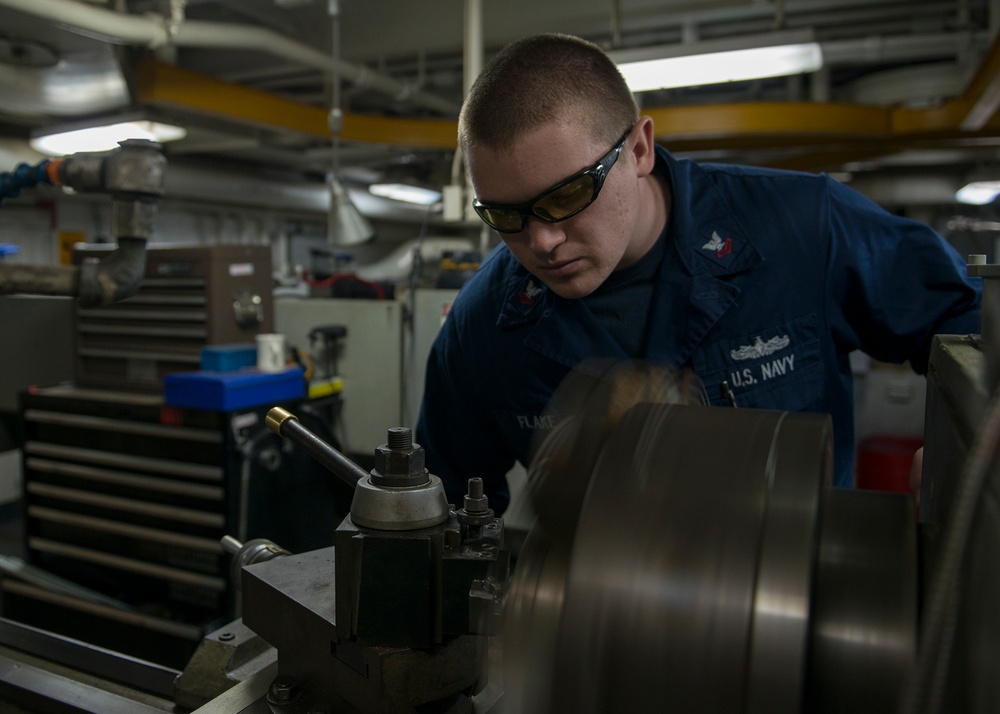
pixel 884 463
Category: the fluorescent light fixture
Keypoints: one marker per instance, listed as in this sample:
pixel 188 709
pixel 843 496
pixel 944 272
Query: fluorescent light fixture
pixel 406 193
pixel 978 193
pixel 103 137
pixel 718 61
pixel 719 67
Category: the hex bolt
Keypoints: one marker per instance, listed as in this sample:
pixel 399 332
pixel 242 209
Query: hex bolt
pixel 476 509
pixel 399 462
pixel 400 437
pixel 283 690
pixel 475 501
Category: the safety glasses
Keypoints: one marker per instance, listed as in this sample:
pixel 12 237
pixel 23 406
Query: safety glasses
pixel 562 201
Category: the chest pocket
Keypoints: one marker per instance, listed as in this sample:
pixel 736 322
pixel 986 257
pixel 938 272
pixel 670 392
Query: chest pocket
pixel 778 367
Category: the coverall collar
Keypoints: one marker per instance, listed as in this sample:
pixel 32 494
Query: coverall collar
pixel 708 237
pixel 692 293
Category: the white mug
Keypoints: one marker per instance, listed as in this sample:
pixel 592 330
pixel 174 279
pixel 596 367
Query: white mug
pixel 271 352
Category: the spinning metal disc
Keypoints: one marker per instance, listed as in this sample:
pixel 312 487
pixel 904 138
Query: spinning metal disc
pixel 673 564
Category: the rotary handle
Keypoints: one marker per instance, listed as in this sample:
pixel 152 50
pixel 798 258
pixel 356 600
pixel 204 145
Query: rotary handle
pixel 285 424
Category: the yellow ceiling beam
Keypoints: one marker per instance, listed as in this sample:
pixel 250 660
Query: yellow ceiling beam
pixel 772 125
pixel 419 133
pixel 943 119
pixel 164 85
pixel 798 120
pixel 812 126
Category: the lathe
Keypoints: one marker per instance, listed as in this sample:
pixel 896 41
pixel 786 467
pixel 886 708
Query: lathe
pixel 683 558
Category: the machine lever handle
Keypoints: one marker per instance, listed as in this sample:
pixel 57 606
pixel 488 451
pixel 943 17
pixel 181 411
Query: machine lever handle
pixel 283 423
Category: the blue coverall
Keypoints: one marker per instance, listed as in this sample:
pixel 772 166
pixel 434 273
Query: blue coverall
pixel 770 279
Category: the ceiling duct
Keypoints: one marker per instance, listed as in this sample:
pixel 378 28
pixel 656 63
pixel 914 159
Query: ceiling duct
pixel 154 31
pixel 57 73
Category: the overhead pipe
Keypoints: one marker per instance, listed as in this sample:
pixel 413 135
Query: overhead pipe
pixel 115 27
pixel 222 35
pixel 155 31
pixel 133 174
pixel 906 47
pixel 616 24
pixel 472 65
pixel 763 12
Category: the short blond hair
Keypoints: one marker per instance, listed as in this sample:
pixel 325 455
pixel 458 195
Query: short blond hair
pixel 545 78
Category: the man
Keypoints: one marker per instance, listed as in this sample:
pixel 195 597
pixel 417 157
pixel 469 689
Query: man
pixel 761 281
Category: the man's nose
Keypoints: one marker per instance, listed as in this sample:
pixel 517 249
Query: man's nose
pixel 544 237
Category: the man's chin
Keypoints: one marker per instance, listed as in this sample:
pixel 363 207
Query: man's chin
pixel 571 289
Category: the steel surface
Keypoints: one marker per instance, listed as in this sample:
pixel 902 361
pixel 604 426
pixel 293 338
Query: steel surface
pixel 672 564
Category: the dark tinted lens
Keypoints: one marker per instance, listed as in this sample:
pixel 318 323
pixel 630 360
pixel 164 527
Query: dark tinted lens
pixel 504 220
pixel 565 200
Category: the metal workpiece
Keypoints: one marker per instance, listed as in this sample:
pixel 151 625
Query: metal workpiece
pixel 587 406
pixel 866 581
pixel 707 600
pixel 677 570
pixel 285 424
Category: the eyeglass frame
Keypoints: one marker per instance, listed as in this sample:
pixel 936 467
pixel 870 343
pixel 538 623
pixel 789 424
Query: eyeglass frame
pixel 599 171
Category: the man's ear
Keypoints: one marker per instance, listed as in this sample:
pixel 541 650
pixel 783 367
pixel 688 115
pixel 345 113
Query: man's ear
pixel 643 146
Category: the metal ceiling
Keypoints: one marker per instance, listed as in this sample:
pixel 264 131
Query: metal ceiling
pixel 910 82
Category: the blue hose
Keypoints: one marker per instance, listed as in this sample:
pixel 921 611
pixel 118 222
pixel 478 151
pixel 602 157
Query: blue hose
pixel 24 176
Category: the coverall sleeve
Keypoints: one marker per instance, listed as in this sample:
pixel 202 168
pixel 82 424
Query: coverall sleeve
pixel 455 427
pixel 893 282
